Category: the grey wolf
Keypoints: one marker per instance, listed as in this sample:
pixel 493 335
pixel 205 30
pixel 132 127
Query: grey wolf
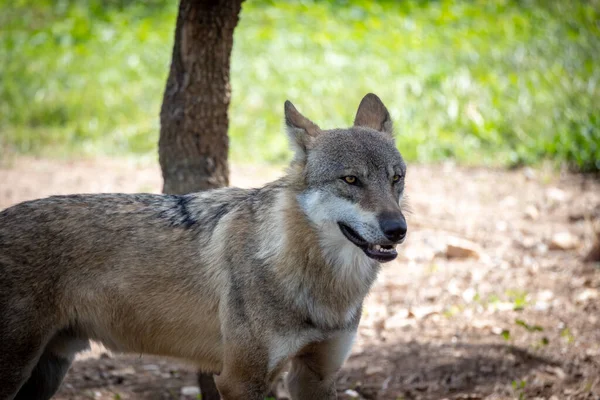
pixel 238 281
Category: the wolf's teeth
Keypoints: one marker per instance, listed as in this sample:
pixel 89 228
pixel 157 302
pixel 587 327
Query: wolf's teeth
pixel 377 247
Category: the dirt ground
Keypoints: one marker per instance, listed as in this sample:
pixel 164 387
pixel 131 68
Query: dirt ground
pixel 489 299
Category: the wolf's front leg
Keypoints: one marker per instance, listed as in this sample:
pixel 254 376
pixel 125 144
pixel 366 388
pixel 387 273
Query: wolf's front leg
pixel 241 381
pixel 244 373
pixel 315 369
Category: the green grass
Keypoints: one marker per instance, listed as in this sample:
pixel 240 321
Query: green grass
pixel 493 82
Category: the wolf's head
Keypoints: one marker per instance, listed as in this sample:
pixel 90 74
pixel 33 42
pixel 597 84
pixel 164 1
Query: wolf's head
pixel 353 181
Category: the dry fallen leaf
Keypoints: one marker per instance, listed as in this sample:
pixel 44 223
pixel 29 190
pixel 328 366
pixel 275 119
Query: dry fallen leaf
pixel 594 253
pixel 462 248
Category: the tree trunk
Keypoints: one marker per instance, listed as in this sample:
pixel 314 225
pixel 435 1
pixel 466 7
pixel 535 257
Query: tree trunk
pixel 193 142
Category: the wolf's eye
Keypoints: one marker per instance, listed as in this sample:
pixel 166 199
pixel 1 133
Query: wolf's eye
pixel 350 179
pixel 396 178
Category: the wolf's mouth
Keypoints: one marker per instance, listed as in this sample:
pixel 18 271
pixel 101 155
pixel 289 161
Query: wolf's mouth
pixel 379 252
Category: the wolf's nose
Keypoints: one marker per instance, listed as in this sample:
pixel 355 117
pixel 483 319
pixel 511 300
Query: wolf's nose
pixel 394 229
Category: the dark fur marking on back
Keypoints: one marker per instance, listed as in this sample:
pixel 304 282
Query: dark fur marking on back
pixel 187 220
pixel 178 214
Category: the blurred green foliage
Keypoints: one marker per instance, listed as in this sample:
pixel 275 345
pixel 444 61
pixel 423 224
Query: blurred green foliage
pixel 493 82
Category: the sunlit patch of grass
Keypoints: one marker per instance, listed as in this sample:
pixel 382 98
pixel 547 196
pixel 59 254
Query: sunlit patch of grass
pixel 519 388
pixel 529 327
pixel 566 335
pixel 485 82
pixel 519 298
pixel 451 311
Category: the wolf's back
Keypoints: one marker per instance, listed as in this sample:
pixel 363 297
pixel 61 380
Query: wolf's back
pixel 95 232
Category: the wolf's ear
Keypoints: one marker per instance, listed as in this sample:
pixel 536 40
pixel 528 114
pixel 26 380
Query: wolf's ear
pixel 300 129
pixel 373 114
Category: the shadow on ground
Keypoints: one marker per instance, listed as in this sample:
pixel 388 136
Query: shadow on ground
pixel 399 370
pixel 433 371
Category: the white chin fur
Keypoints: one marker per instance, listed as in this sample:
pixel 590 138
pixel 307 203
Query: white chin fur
pixel 351 261
pixel 354 270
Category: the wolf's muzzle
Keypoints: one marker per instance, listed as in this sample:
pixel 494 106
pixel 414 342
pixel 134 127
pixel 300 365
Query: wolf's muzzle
pixel 393 226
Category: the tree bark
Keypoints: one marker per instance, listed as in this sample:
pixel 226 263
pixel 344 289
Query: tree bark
pixel 193 142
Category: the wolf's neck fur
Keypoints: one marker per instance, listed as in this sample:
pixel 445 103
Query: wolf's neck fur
pixel 324 274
